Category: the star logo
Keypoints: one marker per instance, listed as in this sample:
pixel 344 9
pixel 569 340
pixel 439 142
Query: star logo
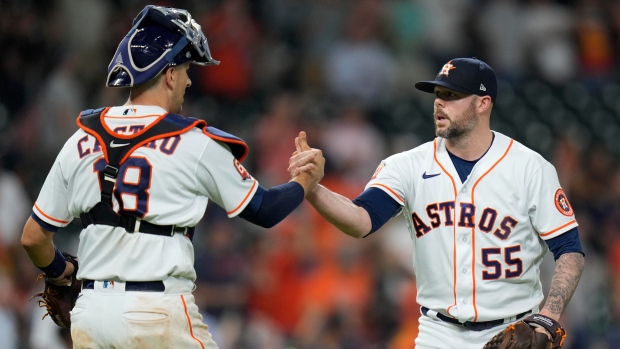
pixel 446 69
pixel 562 204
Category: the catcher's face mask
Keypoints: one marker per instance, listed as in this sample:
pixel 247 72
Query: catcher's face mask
pixel 160 37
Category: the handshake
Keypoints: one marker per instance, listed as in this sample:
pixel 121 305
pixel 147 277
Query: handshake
pixel 306 165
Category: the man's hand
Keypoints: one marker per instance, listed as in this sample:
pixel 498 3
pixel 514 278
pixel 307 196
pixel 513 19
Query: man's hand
pixel 339 210
pixel 307 165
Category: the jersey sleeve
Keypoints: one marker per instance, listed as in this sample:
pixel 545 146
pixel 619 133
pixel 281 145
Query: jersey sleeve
pixel 224 180
pixel 548 206
pixel 387 178
pixel 52 205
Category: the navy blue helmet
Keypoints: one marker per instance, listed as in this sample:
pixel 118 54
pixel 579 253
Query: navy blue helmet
pixel 160 37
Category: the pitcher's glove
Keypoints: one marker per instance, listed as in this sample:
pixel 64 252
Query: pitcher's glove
pixel 522 335
pixel 59 296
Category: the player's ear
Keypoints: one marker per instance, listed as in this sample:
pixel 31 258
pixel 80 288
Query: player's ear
pixel 483 104
pixel 170 76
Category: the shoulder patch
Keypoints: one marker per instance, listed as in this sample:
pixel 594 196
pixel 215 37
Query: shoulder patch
pixel 379 168
pixel 562 204
pixel 242 171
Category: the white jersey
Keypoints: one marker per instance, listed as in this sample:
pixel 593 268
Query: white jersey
pixel 477 245
pixel 166 182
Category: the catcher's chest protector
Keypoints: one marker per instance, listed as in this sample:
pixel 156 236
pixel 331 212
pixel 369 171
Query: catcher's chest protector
pixel 116 149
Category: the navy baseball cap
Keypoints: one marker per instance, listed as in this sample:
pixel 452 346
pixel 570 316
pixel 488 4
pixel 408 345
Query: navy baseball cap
pixel 466 75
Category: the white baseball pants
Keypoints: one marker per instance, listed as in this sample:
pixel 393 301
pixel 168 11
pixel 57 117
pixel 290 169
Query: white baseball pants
pixel 108 317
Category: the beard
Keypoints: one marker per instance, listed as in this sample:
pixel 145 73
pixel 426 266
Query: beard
pixel 460 127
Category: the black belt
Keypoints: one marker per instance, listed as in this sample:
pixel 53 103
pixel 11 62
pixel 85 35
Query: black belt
pixel 473 326
pixel 101 214
pixel 144 286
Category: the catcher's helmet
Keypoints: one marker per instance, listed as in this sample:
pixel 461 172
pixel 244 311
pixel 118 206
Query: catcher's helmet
pixel 160 37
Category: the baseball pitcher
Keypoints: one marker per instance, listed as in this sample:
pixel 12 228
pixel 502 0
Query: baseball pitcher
pixel 482 211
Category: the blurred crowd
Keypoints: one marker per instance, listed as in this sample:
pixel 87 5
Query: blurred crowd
pixel 343 71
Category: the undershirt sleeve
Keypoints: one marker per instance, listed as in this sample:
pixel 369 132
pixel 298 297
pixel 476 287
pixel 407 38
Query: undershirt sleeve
pixel 269 207
pixel 565 243
pixel 379 205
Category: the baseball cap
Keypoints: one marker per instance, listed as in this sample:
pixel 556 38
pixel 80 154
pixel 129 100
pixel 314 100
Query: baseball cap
pixel 466 75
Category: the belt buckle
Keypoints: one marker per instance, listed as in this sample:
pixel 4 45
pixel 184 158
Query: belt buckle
pixel 181 230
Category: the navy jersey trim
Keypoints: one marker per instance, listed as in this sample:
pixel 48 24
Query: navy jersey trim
pixel 43 224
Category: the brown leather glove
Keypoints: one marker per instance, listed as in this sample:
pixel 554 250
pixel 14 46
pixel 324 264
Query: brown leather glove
pixel 522 335
pixel 60 299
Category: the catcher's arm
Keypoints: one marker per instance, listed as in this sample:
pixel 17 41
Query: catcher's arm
pixel 61 288
pixel 39 246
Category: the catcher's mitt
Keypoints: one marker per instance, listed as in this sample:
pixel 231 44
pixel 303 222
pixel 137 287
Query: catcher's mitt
pixel 522 335
pixel 60 299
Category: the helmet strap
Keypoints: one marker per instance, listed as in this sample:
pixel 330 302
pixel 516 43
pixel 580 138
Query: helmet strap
pixel 174 51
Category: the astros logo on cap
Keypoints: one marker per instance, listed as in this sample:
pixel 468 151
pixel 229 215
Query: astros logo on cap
pixel 446 69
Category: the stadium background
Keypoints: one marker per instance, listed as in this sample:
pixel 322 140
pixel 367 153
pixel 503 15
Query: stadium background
pixel 343 71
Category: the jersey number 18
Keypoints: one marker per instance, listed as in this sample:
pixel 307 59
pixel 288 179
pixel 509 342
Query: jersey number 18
pixel 132 184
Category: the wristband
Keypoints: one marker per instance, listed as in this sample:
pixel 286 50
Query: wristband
pixel 57 267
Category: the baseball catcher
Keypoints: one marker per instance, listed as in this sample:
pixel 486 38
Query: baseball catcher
pixel 523 335
pixel 139 176
pixel 59 296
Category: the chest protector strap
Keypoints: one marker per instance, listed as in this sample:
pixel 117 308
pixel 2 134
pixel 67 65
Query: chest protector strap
pixel 116 149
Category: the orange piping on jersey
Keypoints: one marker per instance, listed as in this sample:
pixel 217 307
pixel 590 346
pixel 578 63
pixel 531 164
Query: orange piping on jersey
pixel 189 323
pixel 473 235
pixel 244 199
pixel 560 227
pixel 388 189
pixel 453 228
pixel 48 217
pixel 228 140
pixel 443 168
